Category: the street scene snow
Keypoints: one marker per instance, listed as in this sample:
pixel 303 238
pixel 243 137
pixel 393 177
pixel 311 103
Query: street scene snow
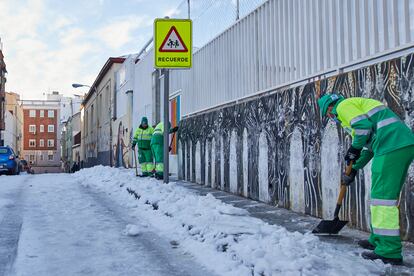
pixel 106 221
pixel 220 137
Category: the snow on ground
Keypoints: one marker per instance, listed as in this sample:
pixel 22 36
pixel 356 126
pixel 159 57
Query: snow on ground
pixel 53 226
pixel 223 238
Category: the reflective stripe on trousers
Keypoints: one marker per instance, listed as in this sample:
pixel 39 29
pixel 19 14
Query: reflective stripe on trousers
pixel 159 167
pixel 385 217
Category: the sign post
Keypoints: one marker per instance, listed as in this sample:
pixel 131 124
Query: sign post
pixel 173 50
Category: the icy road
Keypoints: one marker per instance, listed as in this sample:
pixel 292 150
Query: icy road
pixel 51 225
pixel 105 221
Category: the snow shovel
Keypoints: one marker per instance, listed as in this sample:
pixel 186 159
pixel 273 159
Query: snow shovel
pixel 136 162
pixel 172 140
pixel 332 227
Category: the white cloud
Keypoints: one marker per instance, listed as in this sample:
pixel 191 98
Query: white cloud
pixel 119 32
pixel 41 53
pixel 46 49
pixel 60 23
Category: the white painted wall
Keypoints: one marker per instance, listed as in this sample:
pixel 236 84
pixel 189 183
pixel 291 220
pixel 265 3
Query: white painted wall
pixel 213 163
pixel 330 170
pixel 263 169
pixel 9 134
pixel 233 162
pixel 143 89
pixel 221 163
pixel 245 164
pixel 198 162
pixel 296 174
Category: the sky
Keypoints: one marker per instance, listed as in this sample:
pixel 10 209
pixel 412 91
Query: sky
pixel 50 44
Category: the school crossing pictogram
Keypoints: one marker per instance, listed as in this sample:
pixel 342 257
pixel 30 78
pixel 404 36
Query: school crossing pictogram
pixel 173 42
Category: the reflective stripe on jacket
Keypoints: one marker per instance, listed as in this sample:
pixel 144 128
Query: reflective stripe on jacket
pixel 370 122
pixel 142 137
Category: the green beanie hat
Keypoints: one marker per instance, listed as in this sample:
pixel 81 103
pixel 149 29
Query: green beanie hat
pixel 326 100
pixel 144 120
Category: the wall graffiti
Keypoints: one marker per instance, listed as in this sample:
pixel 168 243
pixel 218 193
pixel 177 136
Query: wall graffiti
pixel 120 149
pixel 225 148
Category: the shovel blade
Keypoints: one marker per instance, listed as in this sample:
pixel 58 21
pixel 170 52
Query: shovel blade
pixel 331 227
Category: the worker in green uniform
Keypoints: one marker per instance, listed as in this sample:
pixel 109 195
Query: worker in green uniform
pixel 142 137
pixel 377 134
pixel 157 146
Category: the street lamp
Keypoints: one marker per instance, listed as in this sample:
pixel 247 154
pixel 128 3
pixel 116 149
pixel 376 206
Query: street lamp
pixel 77 85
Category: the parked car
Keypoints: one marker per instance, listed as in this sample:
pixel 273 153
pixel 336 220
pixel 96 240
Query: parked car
pixel 9 161
pixel 25 167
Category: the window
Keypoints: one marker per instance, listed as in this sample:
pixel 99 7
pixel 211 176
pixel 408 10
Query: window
pixel 41 157
pixel 31 157
pixel 51 113
pixel 32 113
pixel 50 157
pixel 32 143
pixel 41 143
pixel 51 128
pixel 50 143
pixel 42 113
pixel 42 128
pixel 32 128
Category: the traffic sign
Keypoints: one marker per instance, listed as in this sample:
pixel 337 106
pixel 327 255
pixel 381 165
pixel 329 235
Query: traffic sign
pixel 173 43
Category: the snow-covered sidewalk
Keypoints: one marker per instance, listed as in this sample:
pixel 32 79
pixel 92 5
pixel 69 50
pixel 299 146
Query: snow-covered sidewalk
pixel 225 239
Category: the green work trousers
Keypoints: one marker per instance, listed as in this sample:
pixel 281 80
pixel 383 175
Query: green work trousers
pixel 146 161
pixel 389 172
pixel 158 151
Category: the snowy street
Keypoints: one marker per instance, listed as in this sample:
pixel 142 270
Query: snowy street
pixel 50 225
pixel 105 221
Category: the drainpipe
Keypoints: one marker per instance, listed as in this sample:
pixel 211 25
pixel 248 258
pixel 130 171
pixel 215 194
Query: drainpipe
pixel 130 95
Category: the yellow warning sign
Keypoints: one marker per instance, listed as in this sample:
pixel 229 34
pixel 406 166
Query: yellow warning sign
pixel 172 43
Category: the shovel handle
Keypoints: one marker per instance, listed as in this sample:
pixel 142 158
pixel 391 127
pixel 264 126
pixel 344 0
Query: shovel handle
pixel 136 162
pixel 342 192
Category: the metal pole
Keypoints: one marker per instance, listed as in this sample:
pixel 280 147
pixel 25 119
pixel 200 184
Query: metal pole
pixel 188 6
pixel 166 125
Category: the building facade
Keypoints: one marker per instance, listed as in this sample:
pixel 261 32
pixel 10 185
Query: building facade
pixel 41 135
pixel 98 115
pixel 71 142
pixel 122 125
pixel 3 72
pixel 13 122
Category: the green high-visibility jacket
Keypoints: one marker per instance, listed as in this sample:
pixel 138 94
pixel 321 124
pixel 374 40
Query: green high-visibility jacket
pixel 142 137
pixel 158 136
pixel 373 126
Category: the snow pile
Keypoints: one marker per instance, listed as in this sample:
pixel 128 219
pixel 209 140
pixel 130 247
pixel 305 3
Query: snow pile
pixel 223 238
pixel 132 230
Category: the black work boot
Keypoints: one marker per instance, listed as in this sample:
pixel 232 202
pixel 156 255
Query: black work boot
pixel 366 244
pixel 373 256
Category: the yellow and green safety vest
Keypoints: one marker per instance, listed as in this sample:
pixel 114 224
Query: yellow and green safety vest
pixel 372 124
pixel 142 137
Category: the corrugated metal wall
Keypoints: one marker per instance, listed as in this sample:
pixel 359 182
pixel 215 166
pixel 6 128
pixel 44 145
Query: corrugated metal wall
pixel 287 40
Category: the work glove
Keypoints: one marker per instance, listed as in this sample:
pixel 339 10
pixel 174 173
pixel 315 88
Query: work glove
pixel 349 179
pixel 174 129
pixel 352 154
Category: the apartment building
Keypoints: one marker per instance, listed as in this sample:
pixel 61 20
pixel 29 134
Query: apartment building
pixel 41 135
